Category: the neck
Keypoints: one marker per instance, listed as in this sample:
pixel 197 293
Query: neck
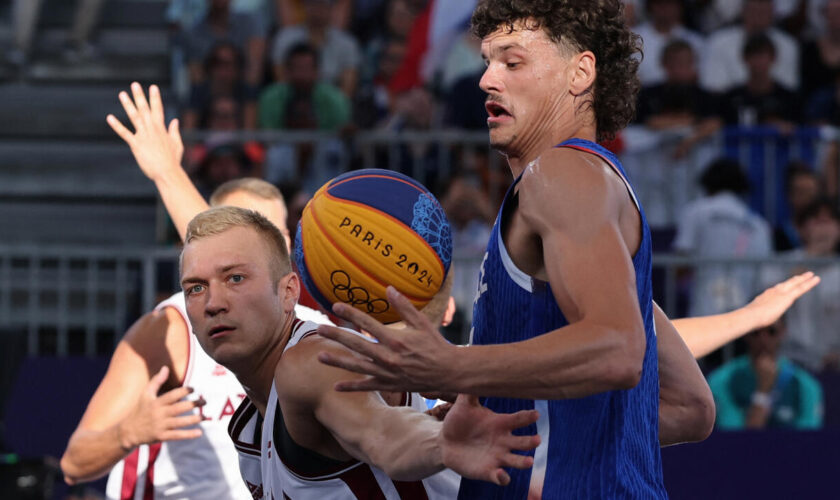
pixel 256 376
pixel 518 161
pixel 760 84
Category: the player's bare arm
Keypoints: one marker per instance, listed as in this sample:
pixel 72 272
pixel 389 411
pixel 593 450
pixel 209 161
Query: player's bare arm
pixel 126 410
pixel 406 444
pixel 158 151
pixel 704 334
pixel 580 211
pixel 686 405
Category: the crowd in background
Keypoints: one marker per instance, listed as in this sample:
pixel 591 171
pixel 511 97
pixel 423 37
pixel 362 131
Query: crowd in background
pixel 329 69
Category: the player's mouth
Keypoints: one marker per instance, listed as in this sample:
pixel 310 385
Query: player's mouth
pixel 497 114
pixel 220 331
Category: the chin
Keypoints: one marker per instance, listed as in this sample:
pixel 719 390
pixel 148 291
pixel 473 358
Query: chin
pixel 499 140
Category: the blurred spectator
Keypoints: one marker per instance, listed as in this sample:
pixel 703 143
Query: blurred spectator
pixel 802 188
pixel 293 12
pixel 25 15
pixel 469 213
pixel 765 390
pixel 823 105
pixel 464 60
pixel 761 101
pixel 301 98
pixel 814 321
pixel 631 11
pixel 664 25
pixel 224 69
pixel 679 102
pixel 465 104
pixel 245 31
pixel 339 51
pixel 723 66
pixel 722 225
pixel 821 57
pixel 224 161
pixel 304 103
pixel 373 99
pixel 710 15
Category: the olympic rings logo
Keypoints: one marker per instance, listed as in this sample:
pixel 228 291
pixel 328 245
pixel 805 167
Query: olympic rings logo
pixel 355 295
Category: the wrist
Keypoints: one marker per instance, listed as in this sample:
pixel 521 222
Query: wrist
pixel 762 399
pixel 124 438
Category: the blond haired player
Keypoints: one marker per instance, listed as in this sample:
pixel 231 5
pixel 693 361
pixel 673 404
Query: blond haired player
pixel 150 442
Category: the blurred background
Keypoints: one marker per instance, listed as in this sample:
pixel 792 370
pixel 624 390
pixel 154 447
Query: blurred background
pixel 734 155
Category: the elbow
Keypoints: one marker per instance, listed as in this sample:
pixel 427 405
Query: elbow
pixel 68 470
pixel 625 367
pixel 704 412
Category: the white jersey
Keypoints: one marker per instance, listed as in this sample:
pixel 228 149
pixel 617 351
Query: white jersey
pixel 261 442
pixel 205 467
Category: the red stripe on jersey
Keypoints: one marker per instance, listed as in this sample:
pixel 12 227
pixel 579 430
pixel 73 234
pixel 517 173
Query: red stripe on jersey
pixel 129 481
pixel 149 489
pixel 237 424
pixel 362 483
pixel 411 490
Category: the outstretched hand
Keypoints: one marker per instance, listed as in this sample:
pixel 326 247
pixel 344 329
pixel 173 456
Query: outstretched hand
pixel 478 443
pixel 160 418
pixel 773 302
pixel 416 358
pixel 156 148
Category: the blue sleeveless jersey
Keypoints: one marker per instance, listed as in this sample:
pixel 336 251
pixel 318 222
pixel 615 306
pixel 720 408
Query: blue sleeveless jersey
pixel 601 446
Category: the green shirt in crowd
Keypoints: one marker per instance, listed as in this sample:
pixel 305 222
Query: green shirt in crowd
pixel 797 396
pixel 332 108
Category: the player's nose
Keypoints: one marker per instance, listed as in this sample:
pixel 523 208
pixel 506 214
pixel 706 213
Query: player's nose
pixel 216 301
pixel 490 81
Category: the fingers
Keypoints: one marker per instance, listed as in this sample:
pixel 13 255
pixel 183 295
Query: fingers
pixel 361 320
pixel 175 395
pixel 130 110
pixel 517 461
pixel 523 443
pixel 120 129
pixel 806 285
pixel 157 381
pixel 184 421
pixel 500 477
pixel 352 363
pixel 156 103
pixel 349 340
pixel 181 434
pixel 140 98
pixel 522 418
pixel 185 406
pixel 408 312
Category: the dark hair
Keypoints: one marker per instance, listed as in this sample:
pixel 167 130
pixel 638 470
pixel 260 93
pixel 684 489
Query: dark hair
pixel 757 44
pixel 722 175
pixel 675 46
pixel 213 55
pixel 595 25
pixel 815 209
pixel 300 49
pixel 796 169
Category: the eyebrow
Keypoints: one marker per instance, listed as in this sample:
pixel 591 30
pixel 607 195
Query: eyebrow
pixel 221 270
pixel 502 49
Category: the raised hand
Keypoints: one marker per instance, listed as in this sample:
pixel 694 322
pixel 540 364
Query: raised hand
pixel 773 302
pixel 156 148
pixel 478 443
pixel 160 418
pixel 416 358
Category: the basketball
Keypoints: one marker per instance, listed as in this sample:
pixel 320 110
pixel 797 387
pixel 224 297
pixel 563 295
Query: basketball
pixel 368 229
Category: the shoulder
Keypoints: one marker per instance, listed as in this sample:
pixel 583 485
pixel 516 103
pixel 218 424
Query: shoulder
pixel 564 183
pixel 807 383
pixel 275 91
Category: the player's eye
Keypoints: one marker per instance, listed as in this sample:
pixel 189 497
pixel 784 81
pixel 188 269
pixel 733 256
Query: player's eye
pixel 236 278
pixel 512 65
pixel 195 289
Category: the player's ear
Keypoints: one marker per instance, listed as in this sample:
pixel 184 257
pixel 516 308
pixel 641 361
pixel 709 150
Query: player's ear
pixel 582 69
pixel 289 291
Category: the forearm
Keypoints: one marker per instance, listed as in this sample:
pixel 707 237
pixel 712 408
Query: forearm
pixel 91 454
pixel 705 334
pixel 404 443
pixel 180 197
pixel 575 361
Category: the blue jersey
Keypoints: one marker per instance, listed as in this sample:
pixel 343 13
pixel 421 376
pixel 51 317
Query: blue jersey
pixel 601 446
